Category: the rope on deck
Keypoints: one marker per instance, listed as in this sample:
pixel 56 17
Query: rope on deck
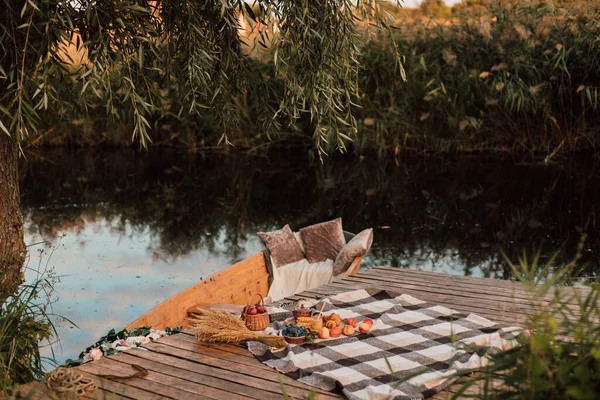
pixel 63 380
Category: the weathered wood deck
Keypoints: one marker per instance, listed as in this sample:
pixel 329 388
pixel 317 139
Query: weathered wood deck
pixel 180 368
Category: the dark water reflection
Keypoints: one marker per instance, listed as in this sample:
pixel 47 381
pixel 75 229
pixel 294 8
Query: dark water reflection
pixel 180 216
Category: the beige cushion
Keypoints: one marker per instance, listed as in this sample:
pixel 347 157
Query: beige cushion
pixel 323 241
pixel 299 276
pixel 359 245
pixel 283 246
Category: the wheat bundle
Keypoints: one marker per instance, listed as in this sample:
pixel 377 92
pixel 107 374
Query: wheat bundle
pixel 222 327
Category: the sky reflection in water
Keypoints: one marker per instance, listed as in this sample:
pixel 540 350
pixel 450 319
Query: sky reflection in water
pixel 108 277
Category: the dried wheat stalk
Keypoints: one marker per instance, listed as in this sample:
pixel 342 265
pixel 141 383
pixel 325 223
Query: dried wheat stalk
pixel 222 327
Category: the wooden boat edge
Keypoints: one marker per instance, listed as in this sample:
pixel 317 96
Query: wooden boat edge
pixel 232 285
pixel 248 274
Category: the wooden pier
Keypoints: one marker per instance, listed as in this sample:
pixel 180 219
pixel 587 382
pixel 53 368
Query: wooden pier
pixel 180 368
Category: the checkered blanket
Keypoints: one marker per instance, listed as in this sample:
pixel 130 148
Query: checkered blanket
pixel 413 350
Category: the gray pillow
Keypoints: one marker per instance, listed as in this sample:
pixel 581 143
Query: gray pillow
pixel 323 241
pixel 283 246
pixel 358 246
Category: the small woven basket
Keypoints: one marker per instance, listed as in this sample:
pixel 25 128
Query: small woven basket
pixel 301 312
pixel 256 322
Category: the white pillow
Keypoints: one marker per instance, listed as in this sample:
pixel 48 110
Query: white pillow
pixel 297 277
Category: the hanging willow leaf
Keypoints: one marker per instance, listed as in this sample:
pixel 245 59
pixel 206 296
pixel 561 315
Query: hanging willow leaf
pixel 122 56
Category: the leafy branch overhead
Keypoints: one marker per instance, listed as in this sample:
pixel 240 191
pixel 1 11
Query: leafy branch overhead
pixel 131 53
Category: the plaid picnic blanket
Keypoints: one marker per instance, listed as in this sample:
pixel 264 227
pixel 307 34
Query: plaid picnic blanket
pixel 425 346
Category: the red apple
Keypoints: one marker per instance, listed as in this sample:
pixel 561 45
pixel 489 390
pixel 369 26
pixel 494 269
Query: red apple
pixel 260 309
pixel 252 310
pixel 368 321
pixel 352 322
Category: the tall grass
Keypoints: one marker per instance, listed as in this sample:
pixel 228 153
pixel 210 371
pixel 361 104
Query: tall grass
pixel 560 357
pixel 25 322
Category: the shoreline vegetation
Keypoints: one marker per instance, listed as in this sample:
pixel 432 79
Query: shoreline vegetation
pixel 494 77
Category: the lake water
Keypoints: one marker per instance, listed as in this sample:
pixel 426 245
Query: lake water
pixel 130 229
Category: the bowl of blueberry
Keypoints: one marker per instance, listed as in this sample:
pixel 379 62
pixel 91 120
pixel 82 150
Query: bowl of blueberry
pixel 294 334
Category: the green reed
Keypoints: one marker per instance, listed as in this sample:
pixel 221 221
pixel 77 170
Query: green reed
pixel 560 356
pixel 501 77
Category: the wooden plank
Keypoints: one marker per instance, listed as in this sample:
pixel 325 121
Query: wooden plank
pixel 464 297
pixel 520 307
pixel 106 387
pixel 484 285
pixel 487 282
pixel 175 367
pixel 239 350
pixel 220 362
pixel 173 311
pixel 236 379
pixel 218 354
pixel 515 288
pixel 490 301
pixel 37 390
pixel 220 358
pixel 230 349
pixel 100 394
pixel 156 384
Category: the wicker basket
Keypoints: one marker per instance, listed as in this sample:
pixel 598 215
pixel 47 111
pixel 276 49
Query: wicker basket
pixel 301 312
pixel 256 322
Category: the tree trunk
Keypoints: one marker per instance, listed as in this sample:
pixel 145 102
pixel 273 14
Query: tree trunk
pixel 12 244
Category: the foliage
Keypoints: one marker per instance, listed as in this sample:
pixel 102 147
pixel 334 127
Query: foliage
pixel 435 8
pixel 520 76
pixel 560 358
pixel 494 76
pixel 134 53
pixel 24 323
pixel 105 343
